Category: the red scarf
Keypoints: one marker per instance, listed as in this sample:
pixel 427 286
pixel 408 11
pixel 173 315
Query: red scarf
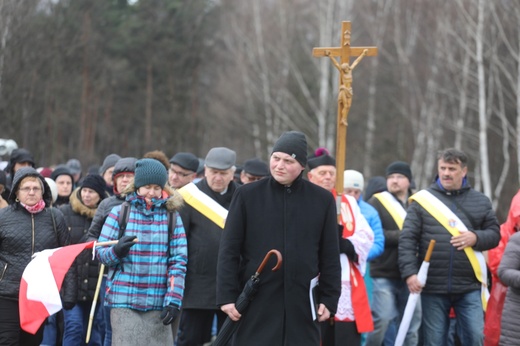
pixel 34 209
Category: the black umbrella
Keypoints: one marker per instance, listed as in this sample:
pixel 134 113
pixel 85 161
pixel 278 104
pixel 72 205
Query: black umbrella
pixel 243 300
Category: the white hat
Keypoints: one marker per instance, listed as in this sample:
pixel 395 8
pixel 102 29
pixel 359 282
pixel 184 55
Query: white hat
pixel 353 179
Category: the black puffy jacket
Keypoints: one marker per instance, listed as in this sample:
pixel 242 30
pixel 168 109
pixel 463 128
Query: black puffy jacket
pixel 450 271
pixel 22 234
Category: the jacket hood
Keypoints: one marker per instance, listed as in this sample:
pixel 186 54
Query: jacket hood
pixel 29 172
pixel 174 202
pixel 17 156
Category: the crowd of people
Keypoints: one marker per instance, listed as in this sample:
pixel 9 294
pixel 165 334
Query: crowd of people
pixel 173 273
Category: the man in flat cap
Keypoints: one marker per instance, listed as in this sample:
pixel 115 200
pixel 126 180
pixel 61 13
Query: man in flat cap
pixel 297 218
pixel 183 169
pixel 253 170
pixel 199 303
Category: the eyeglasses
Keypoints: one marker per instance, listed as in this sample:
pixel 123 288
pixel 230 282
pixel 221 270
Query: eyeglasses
pixel 181 174
pixel 29 189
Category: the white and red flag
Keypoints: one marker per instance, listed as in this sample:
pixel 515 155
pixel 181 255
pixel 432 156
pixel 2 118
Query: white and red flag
pixel 41 283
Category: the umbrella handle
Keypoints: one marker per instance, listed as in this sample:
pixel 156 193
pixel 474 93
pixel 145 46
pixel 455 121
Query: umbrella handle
pixel 266 258
pixel 429 251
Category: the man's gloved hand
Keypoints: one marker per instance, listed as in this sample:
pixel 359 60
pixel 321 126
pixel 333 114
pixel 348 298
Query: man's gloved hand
pixel 122 248
pixel 169 314
pixel 346 247
pixel 68 305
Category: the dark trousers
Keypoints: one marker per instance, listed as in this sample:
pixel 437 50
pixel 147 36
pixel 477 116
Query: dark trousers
pixel 195 326
pixel 340 333
pixel 11 334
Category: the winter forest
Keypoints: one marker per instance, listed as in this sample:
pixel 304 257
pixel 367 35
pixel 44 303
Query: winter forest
pixel 85 78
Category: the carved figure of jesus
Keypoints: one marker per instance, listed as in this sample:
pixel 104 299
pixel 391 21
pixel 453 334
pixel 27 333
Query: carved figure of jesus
pixel 345 89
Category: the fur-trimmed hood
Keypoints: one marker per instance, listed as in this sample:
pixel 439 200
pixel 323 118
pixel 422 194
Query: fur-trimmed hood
pixel 174 199
pixel 78 207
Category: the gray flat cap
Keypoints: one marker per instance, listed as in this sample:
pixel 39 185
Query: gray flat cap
pixel 220 158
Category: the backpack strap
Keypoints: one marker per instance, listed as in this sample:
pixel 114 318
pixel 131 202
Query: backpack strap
pixel 171 226
pixel 124 215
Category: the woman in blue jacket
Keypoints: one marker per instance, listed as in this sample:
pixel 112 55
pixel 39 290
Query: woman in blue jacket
pixel 148 264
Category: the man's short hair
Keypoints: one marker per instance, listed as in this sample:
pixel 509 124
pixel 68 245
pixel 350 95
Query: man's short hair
pixel 453 155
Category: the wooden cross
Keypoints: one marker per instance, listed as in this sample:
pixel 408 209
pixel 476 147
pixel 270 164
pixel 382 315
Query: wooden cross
pixel 344 52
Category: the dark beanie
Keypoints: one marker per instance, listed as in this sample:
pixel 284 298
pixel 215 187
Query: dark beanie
pixel 96 183
pixel 61 170
pixel 150 171
pixel 293 143
pixel 401 168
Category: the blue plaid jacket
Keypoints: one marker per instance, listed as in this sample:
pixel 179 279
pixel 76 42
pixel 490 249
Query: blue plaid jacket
pixel 148 278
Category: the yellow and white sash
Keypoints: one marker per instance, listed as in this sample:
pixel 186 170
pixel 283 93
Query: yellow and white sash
pixel 393 206
pixel 204 204
pixel 455 226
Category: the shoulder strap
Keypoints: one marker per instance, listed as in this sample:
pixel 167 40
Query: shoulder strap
pixel 171 226
pixel 54 225
pixel 124 214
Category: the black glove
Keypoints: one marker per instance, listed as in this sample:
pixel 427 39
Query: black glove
pixel 346 247
pixel 122 248
pixel 169 314
pixel 68 305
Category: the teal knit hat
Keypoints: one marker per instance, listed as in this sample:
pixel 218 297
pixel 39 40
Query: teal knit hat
pixel 150 171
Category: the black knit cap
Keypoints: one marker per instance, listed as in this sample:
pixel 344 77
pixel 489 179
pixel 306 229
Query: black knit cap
pixel 401 168
pixel 61 170
pixel 150 171
pixel 292 143
pixel 96 183
pixel 186 160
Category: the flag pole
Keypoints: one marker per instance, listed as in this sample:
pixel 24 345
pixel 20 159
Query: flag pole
pixel 111 242
pixel 94 302
pixel 98 287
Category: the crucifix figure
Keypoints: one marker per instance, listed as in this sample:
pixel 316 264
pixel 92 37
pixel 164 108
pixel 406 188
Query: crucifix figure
pixel 345 88
pixel 344 52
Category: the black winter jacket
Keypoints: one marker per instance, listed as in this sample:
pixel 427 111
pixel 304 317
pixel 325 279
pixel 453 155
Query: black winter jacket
pixel 386 266
pixel 78 218
pixel 450 271
pixel 22 234
pixel 203 237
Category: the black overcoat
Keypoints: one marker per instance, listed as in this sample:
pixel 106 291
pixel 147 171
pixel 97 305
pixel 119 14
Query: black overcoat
pixel 300 221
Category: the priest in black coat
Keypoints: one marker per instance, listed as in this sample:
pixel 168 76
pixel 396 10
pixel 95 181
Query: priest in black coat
pixel 298 218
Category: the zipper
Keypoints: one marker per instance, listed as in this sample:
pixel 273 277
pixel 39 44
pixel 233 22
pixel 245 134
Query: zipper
pixel 32 245
pixel 450 269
